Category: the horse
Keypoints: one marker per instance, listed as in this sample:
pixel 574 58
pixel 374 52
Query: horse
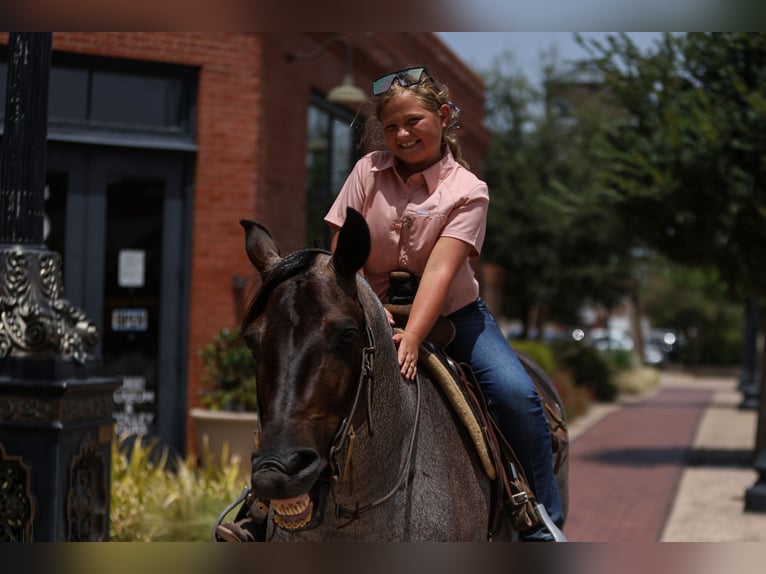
pixel 339 424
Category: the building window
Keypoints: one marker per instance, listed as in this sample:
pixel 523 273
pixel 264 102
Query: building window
pixel 332 147
pixel 113 95
pixel 115 101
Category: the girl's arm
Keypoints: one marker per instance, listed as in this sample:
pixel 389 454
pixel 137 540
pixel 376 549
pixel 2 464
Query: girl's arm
pixel 447 257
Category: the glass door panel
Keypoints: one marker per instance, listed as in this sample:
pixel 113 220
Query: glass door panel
pixel 132 298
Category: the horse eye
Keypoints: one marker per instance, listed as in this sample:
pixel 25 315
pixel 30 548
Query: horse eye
pixel 347 336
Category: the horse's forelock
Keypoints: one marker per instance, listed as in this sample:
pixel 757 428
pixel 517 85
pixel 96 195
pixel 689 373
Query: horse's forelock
pixel 292 265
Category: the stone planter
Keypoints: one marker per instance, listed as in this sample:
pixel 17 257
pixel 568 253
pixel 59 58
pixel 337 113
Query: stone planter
pixel 234 428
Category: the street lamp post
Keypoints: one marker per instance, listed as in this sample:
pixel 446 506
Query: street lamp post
pixel 55 410
pixel 755 496
pixel 748 380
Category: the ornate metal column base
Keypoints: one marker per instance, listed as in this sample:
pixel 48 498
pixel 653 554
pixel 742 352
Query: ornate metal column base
pixel 15 500
pixel 56 421
pixel 34 318
pixel 751 395
pixel 755 496
pixel 56 409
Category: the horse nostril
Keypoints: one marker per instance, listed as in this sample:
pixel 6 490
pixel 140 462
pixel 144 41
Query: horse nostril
pixel 271 463
pixel 301 459
pixel 286 463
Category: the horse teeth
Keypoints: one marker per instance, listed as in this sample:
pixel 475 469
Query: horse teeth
pixel 283 511
pixel 293 507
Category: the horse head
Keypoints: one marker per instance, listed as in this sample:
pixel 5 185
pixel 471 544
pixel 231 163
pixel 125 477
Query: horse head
pixel 307 332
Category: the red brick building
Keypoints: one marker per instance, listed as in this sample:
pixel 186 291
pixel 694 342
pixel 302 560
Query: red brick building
pixel 159 143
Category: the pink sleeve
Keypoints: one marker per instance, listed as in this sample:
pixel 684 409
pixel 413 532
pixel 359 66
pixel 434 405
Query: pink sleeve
pixel 352 194
pixel 468 221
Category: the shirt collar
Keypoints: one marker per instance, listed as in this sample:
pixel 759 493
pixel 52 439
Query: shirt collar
pixel 433 175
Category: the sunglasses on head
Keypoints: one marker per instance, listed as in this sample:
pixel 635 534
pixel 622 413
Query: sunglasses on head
pixel 406 78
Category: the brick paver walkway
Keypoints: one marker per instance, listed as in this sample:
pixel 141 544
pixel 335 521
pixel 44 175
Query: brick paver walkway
pixel 624 471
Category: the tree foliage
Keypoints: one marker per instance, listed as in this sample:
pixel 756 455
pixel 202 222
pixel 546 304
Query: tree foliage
pixel 546 227
pixel 684 166
pixel 666 155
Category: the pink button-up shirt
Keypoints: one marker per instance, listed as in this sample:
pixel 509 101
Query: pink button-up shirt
pixel 406 218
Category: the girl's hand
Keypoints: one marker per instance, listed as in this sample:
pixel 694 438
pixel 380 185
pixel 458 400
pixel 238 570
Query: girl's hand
pixel 408 346
pixel 390 317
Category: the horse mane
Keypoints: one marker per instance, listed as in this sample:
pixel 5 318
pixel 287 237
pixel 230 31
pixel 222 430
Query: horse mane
pixel 292 265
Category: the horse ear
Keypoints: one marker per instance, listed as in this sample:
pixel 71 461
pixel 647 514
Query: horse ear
pixel 261 248
pixel 353 245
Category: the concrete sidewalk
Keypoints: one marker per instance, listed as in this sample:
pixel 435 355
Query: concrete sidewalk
pixel 710 502
pixel 672 465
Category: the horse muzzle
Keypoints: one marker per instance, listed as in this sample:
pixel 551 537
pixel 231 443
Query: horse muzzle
pixel 287 478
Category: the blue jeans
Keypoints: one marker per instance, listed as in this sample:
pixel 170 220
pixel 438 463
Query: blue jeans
pixel 511 398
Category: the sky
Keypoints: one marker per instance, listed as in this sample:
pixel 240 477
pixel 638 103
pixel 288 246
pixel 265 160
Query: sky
pixel 478 49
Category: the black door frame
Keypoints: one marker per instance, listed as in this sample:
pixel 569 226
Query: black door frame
pixel 90 169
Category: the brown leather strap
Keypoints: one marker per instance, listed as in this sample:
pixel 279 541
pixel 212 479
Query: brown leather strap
pixel 511 477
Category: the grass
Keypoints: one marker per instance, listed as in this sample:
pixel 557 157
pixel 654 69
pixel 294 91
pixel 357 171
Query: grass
pixel 637 381
pixel 154 498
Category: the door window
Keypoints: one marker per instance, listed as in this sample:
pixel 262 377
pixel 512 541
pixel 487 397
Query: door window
pixel 132 301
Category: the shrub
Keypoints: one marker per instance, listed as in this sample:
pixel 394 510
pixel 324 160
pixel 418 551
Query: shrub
pixel 228 373
pixel 540 353
pixel 621 359
pixel 637 381
pixel 154 500
pixel 589 368
pixel 576 400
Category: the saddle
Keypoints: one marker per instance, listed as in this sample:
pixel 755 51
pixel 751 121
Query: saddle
pixel 459 385
pixel 463 395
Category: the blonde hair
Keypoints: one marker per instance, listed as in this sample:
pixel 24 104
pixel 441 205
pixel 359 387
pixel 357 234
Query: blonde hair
pixel 432 95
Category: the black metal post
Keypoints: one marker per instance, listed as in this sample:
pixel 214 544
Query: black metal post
pixel 748 381
pixel 22 159
pixel 55 410
pixel 755 496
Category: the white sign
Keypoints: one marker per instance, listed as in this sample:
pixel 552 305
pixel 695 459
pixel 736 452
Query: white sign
pixel 131 401
pixel 130 269
pixel 130 319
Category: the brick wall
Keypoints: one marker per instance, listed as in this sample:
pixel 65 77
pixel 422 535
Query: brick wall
pixel 251 134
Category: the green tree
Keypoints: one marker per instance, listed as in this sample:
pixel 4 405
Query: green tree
pixel 546 228
pixel 693 303
pixel 684 165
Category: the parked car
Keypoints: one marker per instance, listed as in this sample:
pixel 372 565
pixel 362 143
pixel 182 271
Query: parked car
pixel 611 340
pixel 654 355
pixel 655 352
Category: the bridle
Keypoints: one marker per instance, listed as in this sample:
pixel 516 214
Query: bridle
pixel 296 263
pixel 366 380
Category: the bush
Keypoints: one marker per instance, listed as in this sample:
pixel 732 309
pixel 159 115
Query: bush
pixel 540 353
pixel 637 381
pixel 150 501
pixel 621 359
pixel 576 400
pixel 589 368
pixel 229 374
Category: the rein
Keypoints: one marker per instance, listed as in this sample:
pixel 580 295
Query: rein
pixel 366 376
pixel 293 265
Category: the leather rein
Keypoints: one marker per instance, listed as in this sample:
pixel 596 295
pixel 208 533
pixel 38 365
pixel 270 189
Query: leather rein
pixel 294 264
pixel 366 380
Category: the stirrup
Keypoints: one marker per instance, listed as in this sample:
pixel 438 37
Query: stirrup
pixel 241 498
pixel 555 531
